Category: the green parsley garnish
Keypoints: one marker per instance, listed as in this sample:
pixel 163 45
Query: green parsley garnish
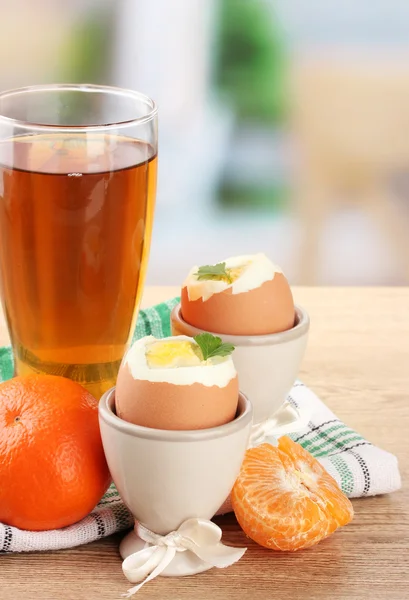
pixel 212 346
pixel 215 272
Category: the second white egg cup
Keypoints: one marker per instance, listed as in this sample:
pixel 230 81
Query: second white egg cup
pixel 267 366
pixel 173 482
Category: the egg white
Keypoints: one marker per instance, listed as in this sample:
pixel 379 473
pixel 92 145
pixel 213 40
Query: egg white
pixel 259 270
pixel 218 371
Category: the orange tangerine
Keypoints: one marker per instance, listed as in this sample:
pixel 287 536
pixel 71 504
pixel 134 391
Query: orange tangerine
pixel 284 499
pixel 52 463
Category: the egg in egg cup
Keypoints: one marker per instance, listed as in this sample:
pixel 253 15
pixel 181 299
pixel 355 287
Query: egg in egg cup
pixel 175 430
pixel 174 383
pixel 247 301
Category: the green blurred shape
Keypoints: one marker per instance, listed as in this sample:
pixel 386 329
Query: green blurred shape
pixel 252 198
pixel 85 57
pixel 250 63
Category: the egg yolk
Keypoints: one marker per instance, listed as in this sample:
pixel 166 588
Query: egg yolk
pixel 236 272
pixel 173 354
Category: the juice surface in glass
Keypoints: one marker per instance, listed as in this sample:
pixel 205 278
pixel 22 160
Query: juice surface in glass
pixel 76 215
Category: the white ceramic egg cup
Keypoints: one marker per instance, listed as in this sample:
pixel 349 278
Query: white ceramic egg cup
pixel 173 482
pixel 267 366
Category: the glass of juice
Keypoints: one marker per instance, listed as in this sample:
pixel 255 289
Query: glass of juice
pixel 77 194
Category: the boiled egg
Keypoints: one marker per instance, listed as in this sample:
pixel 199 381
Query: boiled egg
pixel 172 383
pixel 242 295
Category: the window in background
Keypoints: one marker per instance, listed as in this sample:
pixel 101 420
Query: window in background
pixel 231 143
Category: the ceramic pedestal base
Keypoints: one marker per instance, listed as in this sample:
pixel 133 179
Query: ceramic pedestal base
pixel 184 563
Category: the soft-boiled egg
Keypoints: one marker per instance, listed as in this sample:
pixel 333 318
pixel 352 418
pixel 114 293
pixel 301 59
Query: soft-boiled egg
pixel 175 383
pixel 243 295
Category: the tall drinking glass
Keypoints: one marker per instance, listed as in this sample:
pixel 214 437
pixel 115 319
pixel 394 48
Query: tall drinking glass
pixel 77 194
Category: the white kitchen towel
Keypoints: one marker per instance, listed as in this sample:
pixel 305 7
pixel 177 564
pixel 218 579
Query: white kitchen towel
pixel 360 468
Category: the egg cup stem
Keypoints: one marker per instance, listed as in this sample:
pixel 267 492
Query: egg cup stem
pixel 287 419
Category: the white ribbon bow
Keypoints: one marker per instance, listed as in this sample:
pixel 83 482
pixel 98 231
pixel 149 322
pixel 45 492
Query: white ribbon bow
pixel 200 536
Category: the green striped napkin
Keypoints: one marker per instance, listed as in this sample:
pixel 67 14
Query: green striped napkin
pixel 360 468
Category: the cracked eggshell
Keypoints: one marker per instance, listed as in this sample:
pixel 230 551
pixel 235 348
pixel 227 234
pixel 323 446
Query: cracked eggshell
pixel 262 310
pixel 177 407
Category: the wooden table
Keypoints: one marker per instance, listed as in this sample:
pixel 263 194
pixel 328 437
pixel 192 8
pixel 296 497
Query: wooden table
pixel 358 362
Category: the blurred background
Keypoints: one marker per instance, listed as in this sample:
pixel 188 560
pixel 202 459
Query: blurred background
pixel 284 124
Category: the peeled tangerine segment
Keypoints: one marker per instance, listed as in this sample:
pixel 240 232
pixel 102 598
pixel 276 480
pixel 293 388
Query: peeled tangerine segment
pixel 285 500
